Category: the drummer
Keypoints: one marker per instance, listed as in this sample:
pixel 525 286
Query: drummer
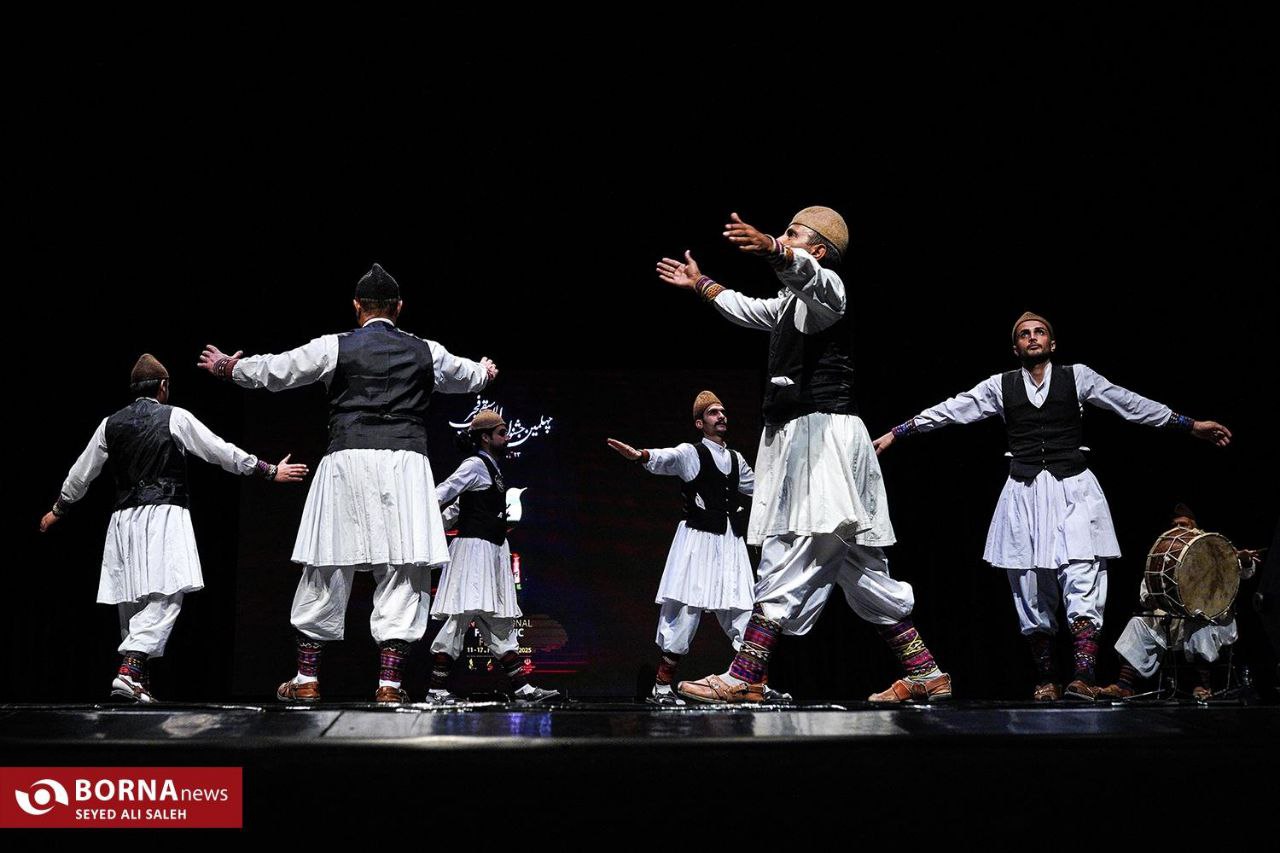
pixel 1148 635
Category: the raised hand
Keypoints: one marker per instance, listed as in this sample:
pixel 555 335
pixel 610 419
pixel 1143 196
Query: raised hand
pixel 684 275
pixel 211 358
pixel 747 237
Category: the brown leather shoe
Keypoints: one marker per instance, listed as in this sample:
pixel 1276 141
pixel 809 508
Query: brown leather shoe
pixel 1047 692
pixel 904 690
pixel 291 691
pixel 713 691
pixel 1081 690
pixel 391 695
pixel 1114 692
pixel 1201 694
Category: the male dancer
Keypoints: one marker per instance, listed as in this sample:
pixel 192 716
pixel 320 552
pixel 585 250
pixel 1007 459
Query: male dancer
pixel 366 509
pixel 707 567
pixel 1052 530
pixel 150 561
pixel 477 585
pixel 820 510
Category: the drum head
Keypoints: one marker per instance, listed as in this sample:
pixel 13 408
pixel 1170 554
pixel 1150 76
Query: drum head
pixel 1209 576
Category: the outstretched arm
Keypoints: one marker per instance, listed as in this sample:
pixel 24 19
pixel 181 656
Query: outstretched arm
pixel 1093 388
pixel 200 441
pixel 745 311
pixel 978 403
pixel 822 289
pixel 680 461
pixel 85 470
pixel 314 361
pixel 458 375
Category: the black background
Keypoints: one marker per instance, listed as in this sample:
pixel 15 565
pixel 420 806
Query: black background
pixel 224 180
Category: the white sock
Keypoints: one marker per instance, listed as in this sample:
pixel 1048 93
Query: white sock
pixel 730 680
pixel 928 676
pixel 661 688
pixel 438 691
pixel 525 690
pixel 304 679
pixel 384 683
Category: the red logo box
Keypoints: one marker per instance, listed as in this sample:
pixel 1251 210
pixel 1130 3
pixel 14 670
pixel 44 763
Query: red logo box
pixel 123 797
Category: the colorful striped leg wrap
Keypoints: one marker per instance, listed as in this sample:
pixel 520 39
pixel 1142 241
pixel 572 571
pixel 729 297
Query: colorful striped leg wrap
pixel 1128 677
pixel 134 665
pixel 1084 639
pixel 308 656
pixel 391 657
pixel 752 662
pixel 904 641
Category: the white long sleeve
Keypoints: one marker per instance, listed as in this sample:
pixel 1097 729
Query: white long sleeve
pixel 87 467
pixel 1095 389
pixel 746 477
pixel 980 402
pixel 682 461
pixel 200 441
pixel 822 290
pixel 679 461
pixel 749 312
pixel 987 399
pixel 471 475
pixel 312 362
pixel 456 375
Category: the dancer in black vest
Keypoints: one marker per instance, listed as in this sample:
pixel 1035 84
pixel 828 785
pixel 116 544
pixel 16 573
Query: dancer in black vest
pixel 1052 528
pixel 478 585
pixel 707 567
pixel 366 509
pixel 150 561
pixel 819 510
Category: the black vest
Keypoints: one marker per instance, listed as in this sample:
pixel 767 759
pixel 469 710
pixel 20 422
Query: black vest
pixel 149 467
pixel 723 504
pixel 1047 438
pixel 483 512
pixel 380 389
pixel 820 365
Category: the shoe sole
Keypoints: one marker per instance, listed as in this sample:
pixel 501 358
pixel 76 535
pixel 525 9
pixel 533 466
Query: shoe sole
pixel 296 701
pixel 130 696
pixel 718 701
pixel 524 701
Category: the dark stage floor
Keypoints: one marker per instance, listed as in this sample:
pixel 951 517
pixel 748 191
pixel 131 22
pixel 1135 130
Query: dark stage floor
pixel 582 763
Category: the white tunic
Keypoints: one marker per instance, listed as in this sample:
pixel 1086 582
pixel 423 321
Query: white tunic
pixel 1047 523
pixel 708 571
pixel 818 473
pixel 364 506
pixel 1146 636
pixel 478 578
pixel 152 549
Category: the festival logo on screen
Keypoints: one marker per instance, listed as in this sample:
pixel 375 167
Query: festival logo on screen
pixel 518 432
